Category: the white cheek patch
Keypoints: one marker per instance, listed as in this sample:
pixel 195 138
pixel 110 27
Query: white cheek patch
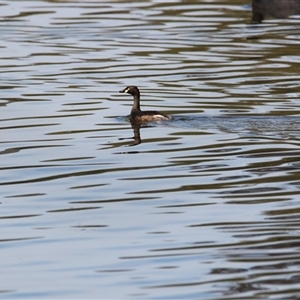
pixel 126 91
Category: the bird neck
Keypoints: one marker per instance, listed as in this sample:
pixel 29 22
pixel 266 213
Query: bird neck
pixel 136 102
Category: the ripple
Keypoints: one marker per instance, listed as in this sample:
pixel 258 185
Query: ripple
pixel 205 206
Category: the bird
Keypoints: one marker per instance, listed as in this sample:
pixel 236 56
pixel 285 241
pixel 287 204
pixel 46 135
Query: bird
pixel 139 116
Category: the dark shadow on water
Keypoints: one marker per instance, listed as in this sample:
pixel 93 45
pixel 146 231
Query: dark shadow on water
pixel 278 9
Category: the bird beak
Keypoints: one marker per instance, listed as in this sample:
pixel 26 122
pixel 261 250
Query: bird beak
pixel 124 91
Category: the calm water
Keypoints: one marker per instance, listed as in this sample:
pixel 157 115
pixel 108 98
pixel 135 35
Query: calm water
pixel 204 207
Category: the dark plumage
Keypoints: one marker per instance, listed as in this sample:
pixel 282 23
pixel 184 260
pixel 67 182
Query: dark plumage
pixel 136 114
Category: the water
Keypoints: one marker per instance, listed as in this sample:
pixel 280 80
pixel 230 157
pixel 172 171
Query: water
pixel 203 207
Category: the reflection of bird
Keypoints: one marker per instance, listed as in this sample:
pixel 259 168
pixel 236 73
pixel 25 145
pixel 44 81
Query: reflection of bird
pixel 139 116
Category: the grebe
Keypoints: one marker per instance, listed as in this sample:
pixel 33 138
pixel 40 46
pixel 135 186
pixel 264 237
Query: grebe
pixel 139 116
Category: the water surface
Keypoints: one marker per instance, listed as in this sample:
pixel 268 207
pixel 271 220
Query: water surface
pixel 203 207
